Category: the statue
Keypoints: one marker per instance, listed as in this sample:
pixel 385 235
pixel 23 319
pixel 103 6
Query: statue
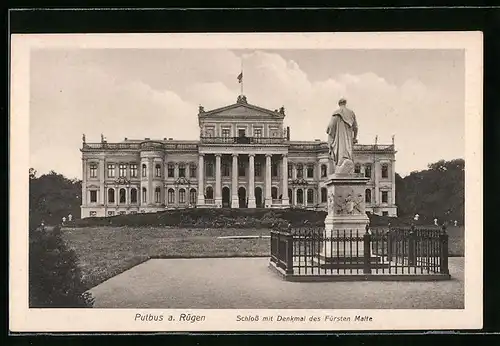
pixel 342 135
pixel 201 109
pixel 83 138
pixel 102 138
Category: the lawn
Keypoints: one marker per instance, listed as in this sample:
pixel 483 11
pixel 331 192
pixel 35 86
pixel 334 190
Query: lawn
pixel 104 252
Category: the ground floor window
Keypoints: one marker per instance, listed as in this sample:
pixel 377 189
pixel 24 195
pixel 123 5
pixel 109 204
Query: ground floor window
pixel 310 196
pixel 300 196
pixel 93 196
pixel 144 195
pixel 171 196
pixel 385 196
pixel 385 213
pixel 210 193
pixel 122 213
pixel 133 196
pixel 111 213
pixel 368 196
pixel 274 192
pixel 182 196
pixel 111 196
pixel 123 197
pixel 157 195
pixel 192 196
pixel 324 194
pixel 93 213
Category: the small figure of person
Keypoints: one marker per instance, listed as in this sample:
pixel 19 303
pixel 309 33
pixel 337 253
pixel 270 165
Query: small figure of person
pixel 435 222
pixel 416 217
pixel 70 217
pixel 64 219
pixel 456 223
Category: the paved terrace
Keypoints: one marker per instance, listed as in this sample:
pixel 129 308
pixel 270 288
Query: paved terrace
pixel 248 283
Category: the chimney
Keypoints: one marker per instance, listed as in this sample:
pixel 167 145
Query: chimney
pixel 147 139
pixel 126 138
pixel 165 138
pixel 170 139
pixel 288 133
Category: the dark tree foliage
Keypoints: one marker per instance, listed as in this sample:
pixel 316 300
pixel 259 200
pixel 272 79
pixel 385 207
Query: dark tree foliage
pixel 437 192
pixel 55 281
pixel 52 197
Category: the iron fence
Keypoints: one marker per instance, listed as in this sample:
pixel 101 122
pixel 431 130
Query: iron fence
pixel 399 251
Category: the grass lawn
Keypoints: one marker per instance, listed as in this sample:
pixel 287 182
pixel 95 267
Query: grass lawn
pixel 104 252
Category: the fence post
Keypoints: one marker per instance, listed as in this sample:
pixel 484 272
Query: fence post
pixel 412 256
pixel 367 253
pixel 289 253
pixel 389 244
pixel 443 238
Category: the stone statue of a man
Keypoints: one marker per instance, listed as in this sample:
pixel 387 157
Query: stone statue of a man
pixel 342 135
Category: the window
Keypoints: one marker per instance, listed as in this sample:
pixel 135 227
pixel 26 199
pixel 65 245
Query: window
pixel 290 171
pixel 310 196
pixel 324 195
pixel 192 170
pixel 93 170
pixel 273 132
pixel 122 212
pixel 241 168
pixel 323 171
pixel 123 196
pixel 368 196
pixel 158 170
pixel 385 197
pixel 385 171
pixel 171 196
pixel 157 195
pixel 170 170
pixel 300 171
pixel 209 169
pixel 122 170
pixel 182 196
pixel 300 196
pixel 225 169
pixel 133 195
pixel 274 169
pixel 192 196
pixel 111 196
pixel 226 132
pixel 144 195
pixel 310 171
pixel 258 169
pixel 144 170
pixel 93 196
pixel 357 168
pixel 241 132
pixel 257 132
pixel 133 170
pixel 93 213
pixel 111 170
pixel 368 171
pixel 182 170
pixel 274 192
pixel 290 195
pixel 111 213
pixel 385 213
pixel 209 132
pixel 133 212
pixel 210 192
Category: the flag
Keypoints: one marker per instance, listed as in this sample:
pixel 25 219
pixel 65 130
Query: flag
pixel 240 77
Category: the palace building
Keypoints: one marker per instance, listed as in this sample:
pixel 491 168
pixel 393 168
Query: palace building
pixel 244 158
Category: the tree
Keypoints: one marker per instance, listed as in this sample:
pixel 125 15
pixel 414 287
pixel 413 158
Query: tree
pixel 55 281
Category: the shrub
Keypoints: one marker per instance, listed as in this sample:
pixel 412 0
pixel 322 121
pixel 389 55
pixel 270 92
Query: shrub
pixel 55 280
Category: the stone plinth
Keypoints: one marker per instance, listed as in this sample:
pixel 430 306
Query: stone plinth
pixel 346 217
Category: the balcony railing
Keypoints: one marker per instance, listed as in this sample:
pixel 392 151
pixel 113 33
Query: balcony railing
pixel 141 146
pixel 323 146
pixel 242 140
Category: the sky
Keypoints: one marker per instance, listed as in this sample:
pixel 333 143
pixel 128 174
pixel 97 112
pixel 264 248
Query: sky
pixel 415 95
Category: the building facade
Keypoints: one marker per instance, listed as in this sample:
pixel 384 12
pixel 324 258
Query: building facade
pixel 243 159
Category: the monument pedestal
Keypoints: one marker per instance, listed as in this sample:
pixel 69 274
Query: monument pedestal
pixel 346 222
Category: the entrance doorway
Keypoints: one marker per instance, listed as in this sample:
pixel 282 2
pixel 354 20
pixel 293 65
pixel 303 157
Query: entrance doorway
pixel 258 197
pixel 242 197
pixel 226 197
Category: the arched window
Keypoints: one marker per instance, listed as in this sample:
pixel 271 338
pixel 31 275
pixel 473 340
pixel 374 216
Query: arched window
pixel 111 196
pixel 368 196
pixel 385 171
pixel 323 171
pixel 171 196
pixel 290 196
pixel 157 195
pixel 123 196
pixel 300 196
pixel 324 195
pixel 192 196
pixel 182 196
pixel 210 192
pixel 158 170
pixel 310 196
pixel 144 170
pixel 133 195
pixel 144 195
pixel 274 192
pixel 357 168
pixel 368 171
pixel 300 171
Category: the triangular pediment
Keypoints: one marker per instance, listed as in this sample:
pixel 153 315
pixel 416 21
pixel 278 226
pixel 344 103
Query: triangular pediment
pixel 243 109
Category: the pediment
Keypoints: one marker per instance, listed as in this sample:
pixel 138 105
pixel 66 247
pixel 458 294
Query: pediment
pixel 243 110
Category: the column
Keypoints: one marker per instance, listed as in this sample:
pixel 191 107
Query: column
pixel 150 180
pixel 251 181
pixel 284 195
pixel 234 188
pixel 84 182
pixel 102 193
pixel 268 199
pixel 201 189
pixel 218 188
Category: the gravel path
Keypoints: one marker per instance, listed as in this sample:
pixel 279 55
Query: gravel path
pixel 247 283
